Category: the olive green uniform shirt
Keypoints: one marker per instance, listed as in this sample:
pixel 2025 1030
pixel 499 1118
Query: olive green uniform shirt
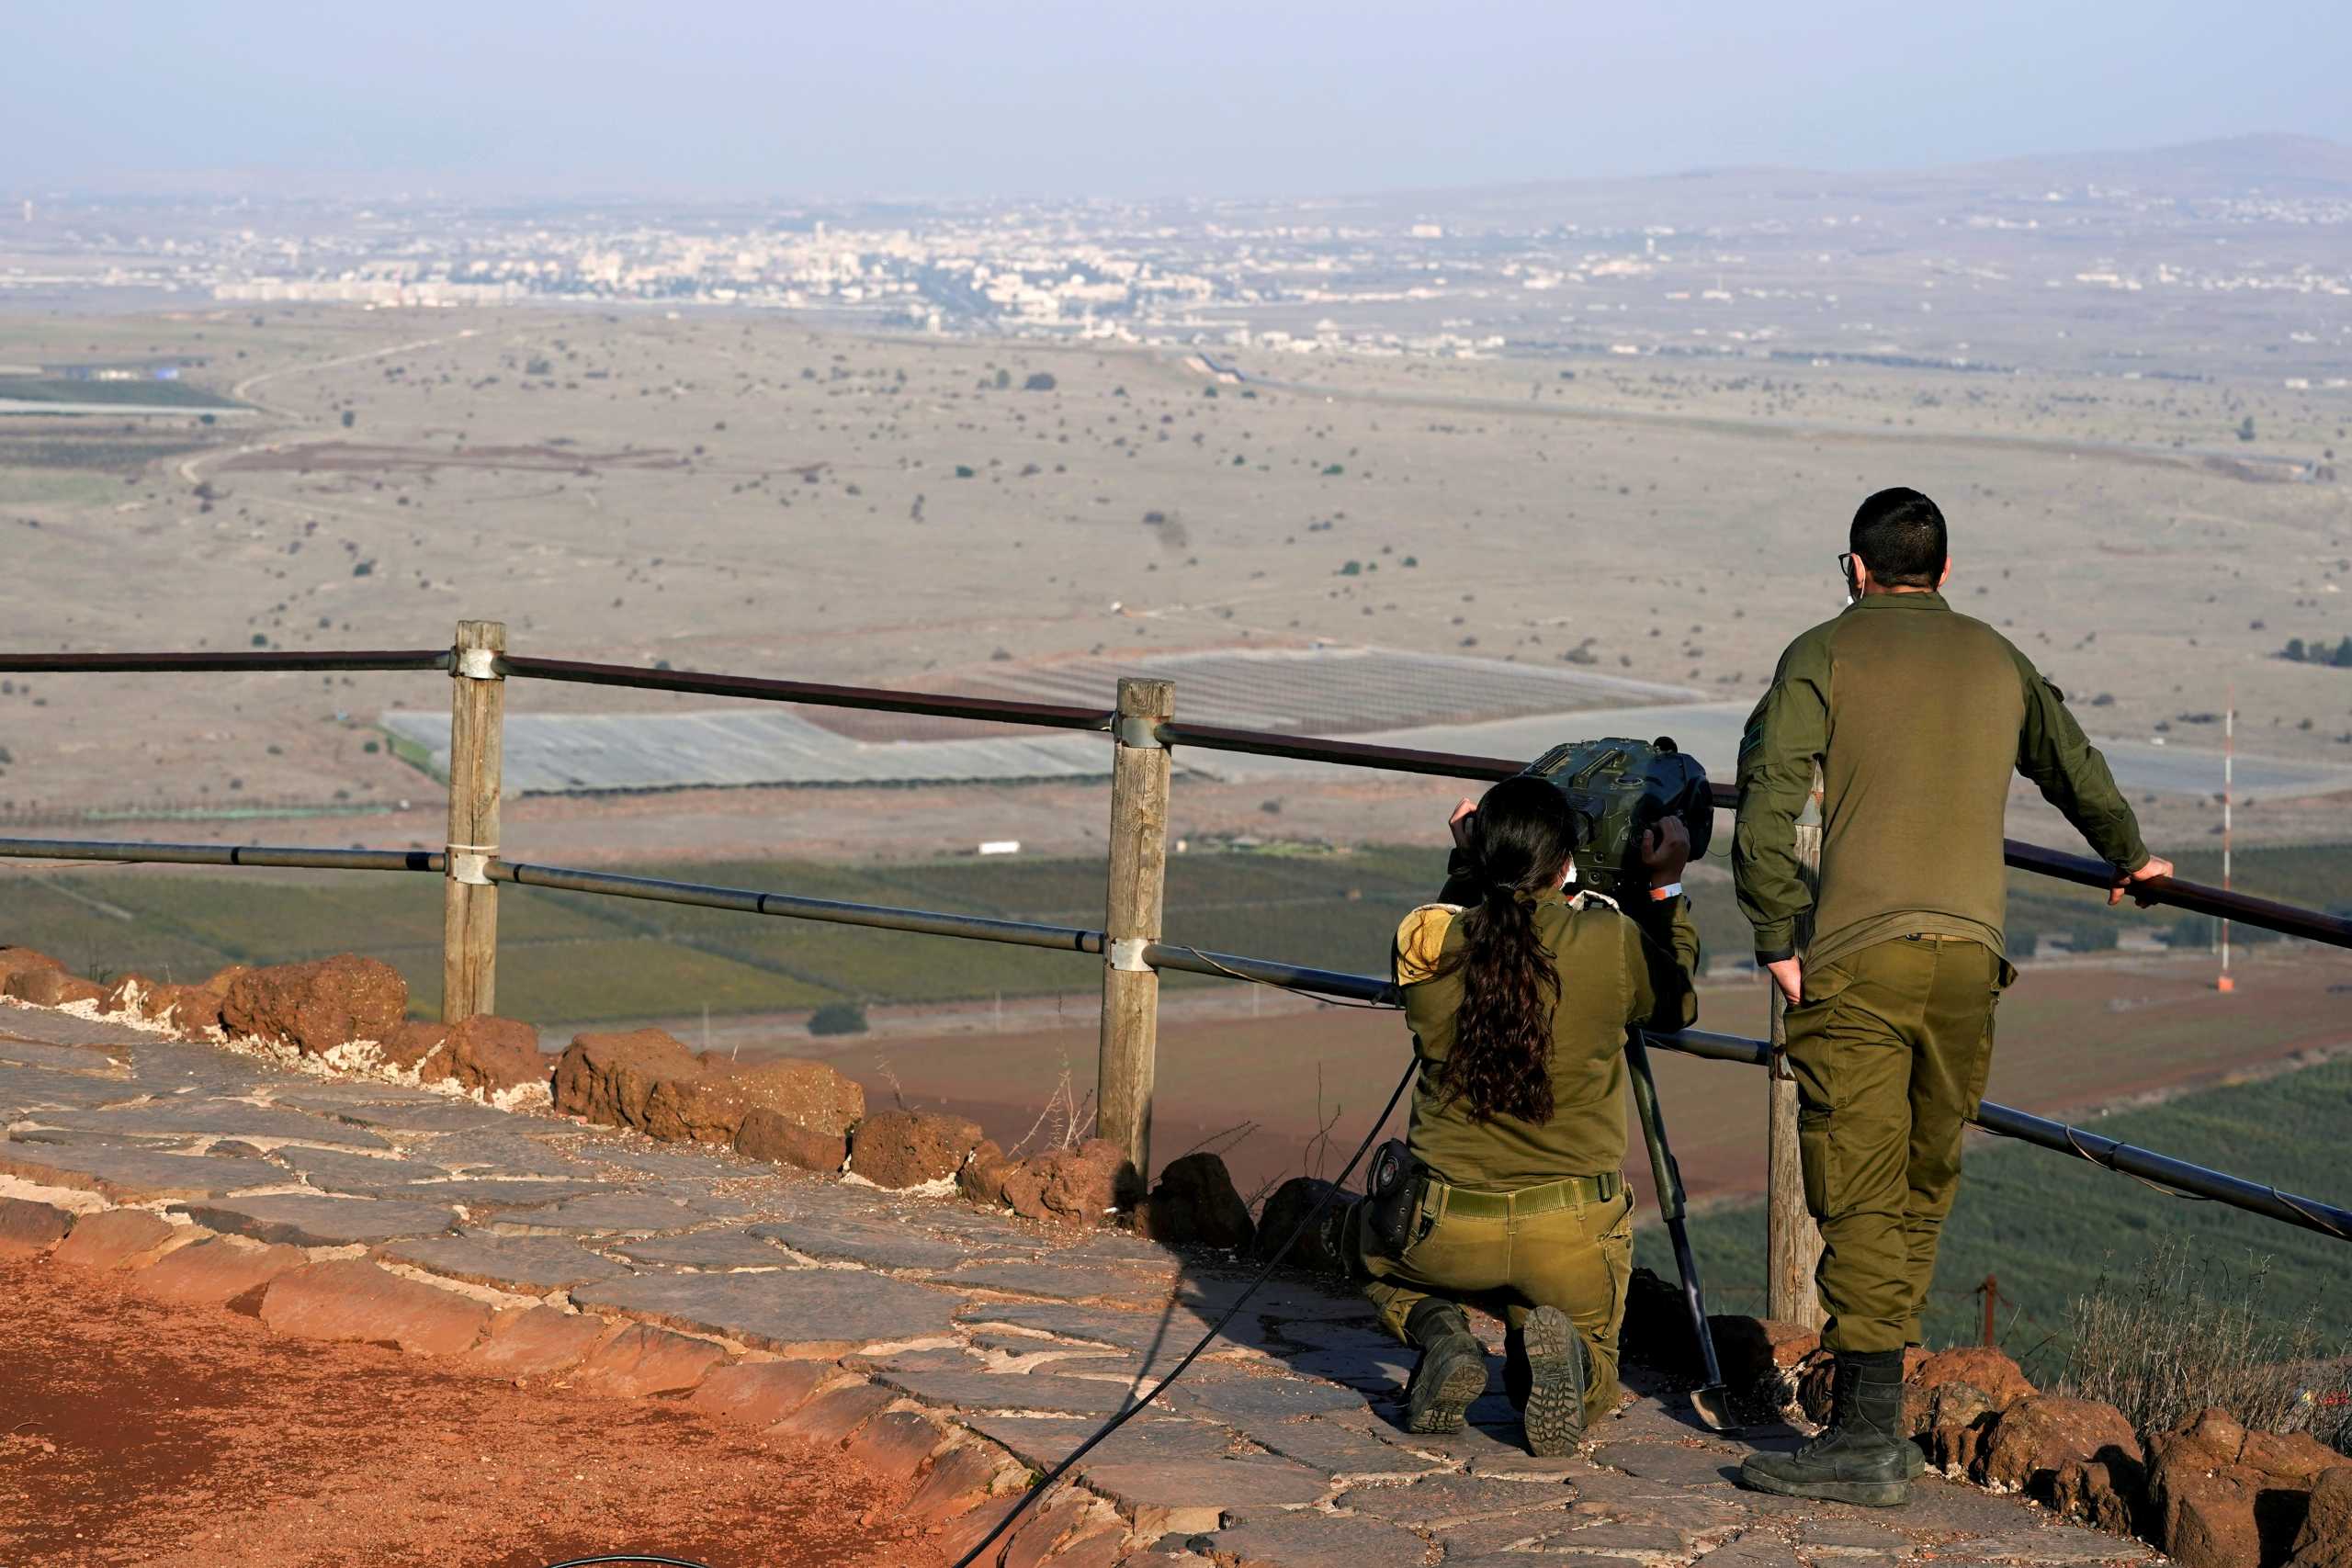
pixel 1916 716
pixel 1614 978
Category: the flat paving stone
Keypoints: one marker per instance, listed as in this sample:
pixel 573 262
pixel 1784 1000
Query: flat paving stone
pixel 734 1248
pixel 876 1247
pixel 1162 1331
pixel 808 1311
pixel 1056 1280
pixel 1174 1495
pixel 1043 1441
pixel 26 1089
pixel 61 1058
pixel 172 1069
pixel 499 1154
pixel 1338 1450
pixel 1249 1400
pixel 605 1213
pixel 1269 1537
pixel 363 1175
pixel 428 1113
pixel 503 1194
pixel 974 1389
pixel 300 1220
pixel 1382 1371
pixel 128 1174
pixel 1679 1466
pixel 1441 1500
pixel 528 1265
pixel 193 1117
pixel 48 1026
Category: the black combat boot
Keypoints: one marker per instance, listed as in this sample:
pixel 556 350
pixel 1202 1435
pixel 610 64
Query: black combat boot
pixel 1451 1370
pixel 1547 1378
pixel 1863 1457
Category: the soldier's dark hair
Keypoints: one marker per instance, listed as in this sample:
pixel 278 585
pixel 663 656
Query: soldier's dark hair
pixel 1900 536
pixel 1501 1061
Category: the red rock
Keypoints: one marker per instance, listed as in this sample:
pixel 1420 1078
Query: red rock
pixel 535 1341
pixel 216 1270
pixel 641 1361
pixel 192 1010
pixel 836 1414
pixel 1948 1396
pixel 607 1078
pixel 28 1229
pixel 127 994
pixel 317 1006
pixel 489 1055
pixel 1082 1185
pixel 2038 1437
pixel 2324 1539
pixel 1102 1548
pixel 961 1480
pixel 2092 1491
pixel 351 1299
pixel 52 988
pixel 409 1044
pixel 2214 1499
pixel 907 1149
pixel 759 1394
pixel 1194 1205
pixel 16 961
pixel 966 1533
pixel 1047 1526
pixel 768 1136
pixel 896 1444
pixel 647 1080
pixel 121 1238
pixel 982 1179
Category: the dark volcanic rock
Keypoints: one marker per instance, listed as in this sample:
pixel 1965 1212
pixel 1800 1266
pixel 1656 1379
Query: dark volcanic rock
pixel 1194 1205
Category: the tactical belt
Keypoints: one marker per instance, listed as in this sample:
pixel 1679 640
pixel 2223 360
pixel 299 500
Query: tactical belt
pixel 1438 1200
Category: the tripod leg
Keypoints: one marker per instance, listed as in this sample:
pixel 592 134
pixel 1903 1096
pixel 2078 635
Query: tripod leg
pixel 1712 1401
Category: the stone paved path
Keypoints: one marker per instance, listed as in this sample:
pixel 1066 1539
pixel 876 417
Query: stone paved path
pixel 929 1338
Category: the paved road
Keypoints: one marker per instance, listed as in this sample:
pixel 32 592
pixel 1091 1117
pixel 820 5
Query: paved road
pixel 964 1348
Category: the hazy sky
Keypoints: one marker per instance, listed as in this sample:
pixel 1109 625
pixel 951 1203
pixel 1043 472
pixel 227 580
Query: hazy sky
pixel 878 98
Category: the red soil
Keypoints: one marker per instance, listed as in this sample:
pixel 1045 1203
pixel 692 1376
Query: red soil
pixel 170 1437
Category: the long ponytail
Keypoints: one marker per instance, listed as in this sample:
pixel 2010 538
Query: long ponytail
pixel 1520 843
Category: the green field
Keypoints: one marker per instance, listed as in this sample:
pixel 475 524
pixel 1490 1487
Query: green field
pixel 145 392
pixel 2049 1226
pixel 580 958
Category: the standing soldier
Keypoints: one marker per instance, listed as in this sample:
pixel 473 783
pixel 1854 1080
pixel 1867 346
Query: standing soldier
pixel 1914 715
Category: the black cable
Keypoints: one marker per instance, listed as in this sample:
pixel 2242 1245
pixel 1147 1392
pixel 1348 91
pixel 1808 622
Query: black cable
pixel 637 1557
pixel 1281 1252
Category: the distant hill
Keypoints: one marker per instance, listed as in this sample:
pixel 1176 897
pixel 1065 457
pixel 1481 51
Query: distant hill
pixel 2233 166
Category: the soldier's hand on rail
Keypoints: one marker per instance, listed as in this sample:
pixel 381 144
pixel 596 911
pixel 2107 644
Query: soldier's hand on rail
pixel 1789 975
pixel 1666 849
pixel 1465 812
pixel 2157 866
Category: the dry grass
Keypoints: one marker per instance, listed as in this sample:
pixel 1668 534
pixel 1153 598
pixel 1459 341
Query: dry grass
pixel 2187 1331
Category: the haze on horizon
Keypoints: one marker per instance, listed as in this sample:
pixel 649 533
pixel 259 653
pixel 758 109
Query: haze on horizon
pixel 1056 98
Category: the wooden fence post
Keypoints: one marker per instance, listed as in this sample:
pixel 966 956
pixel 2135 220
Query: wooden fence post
pixel 1792 1241
pixel 1138 881
pixel 477 755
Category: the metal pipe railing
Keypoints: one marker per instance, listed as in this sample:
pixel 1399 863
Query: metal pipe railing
pixel 2196 897
pixel 2162 1170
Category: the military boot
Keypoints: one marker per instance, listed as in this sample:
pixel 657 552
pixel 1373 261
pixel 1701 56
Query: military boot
pixel 1863 1457
pixel 1547 1378
pixel 1451 1370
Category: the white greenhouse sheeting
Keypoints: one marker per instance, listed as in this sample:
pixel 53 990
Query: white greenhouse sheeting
pixel 565 754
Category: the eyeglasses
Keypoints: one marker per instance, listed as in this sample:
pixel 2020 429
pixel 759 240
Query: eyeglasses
pixel 1845 566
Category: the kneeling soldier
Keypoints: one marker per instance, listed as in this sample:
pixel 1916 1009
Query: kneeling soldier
pixel 1518 1004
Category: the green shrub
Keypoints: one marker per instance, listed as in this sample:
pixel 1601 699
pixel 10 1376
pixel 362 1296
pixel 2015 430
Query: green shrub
pixel 838 1018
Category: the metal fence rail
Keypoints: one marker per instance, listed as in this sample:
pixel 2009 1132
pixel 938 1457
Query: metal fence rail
pixel 1141 730
pixel 2286 920
pixel 2177 1175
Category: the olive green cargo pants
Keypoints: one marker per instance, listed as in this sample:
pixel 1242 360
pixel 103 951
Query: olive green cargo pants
pixel 1889 1050
pixel 1578 1258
